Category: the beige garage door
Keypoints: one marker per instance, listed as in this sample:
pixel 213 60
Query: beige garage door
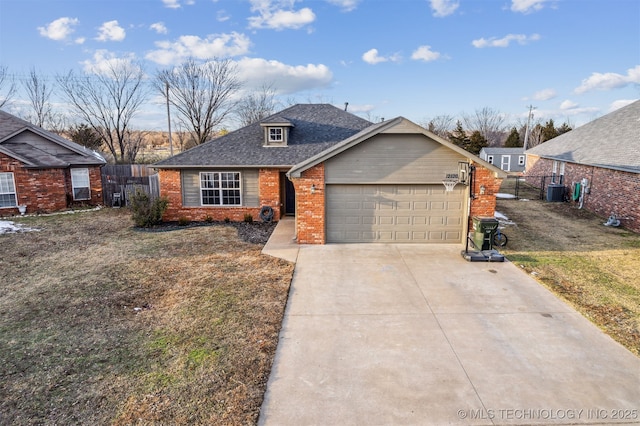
pixel 394 214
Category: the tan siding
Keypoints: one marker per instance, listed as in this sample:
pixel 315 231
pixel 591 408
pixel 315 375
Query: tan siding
pixel 393 158
pixel 191 187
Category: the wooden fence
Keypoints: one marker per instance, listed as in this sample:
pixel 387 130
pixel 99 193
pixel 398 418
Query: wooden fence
pixel 120 181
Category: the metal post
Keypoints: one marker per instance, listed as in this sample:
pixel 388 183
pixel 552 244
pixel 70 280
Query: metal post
pixel 169 121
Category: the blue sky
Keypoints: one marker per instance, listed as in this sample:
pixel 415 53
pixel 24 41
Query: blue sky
pixel 572 60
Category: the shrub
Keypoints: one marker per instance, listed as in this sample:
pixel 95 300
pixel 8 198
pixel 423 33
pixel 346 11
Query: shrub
pixel 227 220
pixel 183 221
pixel 208 219
pixel 248 218
pixel 146 212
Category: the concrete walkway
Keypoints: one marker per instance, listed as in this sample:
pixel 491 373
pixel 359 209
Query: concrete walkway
pixel 414 335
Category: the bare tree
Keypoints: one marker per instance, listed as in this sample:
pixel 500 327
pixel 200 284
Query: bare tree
pixel 107 102
pixel 201 93
pixel 441 125
pixel 489 122
pixel 135 140
pixel 7 84
pixel 256 106
pixel 39 95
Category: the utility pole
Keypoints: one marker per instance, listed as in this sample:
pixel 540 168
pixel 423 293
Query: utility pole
pixel 526 130
pixel 169 121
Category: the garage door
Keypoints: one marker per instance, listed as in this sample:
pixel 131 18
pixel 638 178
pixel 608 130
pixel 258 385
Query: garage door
pixel 394 213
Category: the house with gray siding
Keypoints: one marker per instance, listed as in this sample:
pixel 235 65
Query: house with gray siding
pixel 598 163
pixel 343 178
pixel 507 159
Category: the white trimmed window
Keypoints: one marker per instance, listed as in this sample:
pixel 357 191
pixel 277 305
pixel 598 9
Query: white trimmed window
pixel 490 159
pixel 220 189
pixel 80 184
pixel 7 191
pixel 521 160
pixel 558 175
pixel 276 134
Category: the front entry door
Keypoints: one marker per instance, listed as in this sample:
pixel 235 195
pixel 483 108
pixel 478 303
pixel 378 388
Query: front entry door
pixel 289 196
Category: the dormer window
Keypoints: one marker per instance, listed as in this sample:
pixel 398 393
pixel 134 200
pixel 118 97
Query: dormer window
pixel 276 134
pixel 276 131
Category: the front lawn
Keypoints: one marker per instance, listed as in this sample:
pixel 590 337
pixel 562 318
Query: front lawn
pixel 103 324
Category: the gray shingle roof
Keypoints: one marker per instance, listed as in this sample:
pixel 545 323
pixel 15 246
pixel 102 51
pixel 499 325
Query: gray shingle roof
pixel 67 154
pixel 503 151
pixel 315 127
pixel 611 141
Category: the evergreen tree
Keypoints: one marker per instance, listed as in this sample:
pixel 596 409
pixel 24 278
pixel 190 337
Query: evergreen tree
pixel 564 128
pixel 476 142
pixel 549 131
pixel 458 136
pixel 513 141
pixel 86 136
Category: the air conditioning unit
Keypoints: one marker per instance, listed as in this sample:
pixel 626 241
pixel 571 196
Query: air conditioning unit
pixel 555 192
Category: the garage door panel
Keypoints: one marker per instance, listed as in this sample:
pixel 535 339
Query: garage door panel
pixel 394 213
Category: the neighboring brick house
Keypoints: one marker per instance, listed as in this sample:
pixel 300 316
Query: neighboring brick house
pixel 604 152
pixel 344 178
pixel 41 172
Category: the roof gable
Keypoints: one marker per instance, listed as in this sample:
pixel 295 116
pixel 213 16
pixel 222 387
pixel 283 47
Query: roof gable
pixel 36 147
pixel 312 129
pixel 611 141
pixel 397 125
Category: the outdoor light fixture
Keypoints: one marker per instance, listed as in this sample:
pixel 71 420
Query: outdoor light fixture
pixel 313 189
pixel 482 189
pixel 463 172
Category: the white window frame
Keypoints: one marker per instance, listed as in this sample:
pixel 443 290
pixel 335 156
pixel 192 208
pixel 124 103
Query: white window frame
pixel 8 188
pixel 558 176
pixel 505 163
pixel 79 182
pixel 216 184
pixel 275 134
pixel 520 160
pixel 490 159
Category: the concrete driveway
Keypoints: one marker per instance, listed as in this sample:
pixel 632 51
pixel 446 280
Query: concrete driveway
pixel 415 335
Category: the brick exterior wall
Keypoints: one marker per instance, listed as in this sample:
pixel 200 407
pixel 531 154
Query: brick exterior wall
pixel 46 190
pixel 610 190
pixel 171 187
pixel 484 205
pixel 310 208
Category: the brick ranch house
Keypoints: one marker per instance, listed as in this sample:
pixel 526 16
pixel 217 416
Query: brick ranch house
pixel 344 178
pixel 42 172
pixel 605 152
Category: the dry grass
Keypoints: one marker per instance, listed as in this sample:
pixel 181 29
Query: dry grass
pixel 102 324
pixel 593 267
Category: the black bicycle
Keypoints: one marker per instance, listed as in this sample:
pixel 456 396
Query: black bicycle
pixel 499 239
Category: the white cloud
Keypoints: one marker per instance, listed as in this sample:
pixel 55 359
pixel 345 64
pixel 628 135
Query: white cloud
pixel 504 41
pixel 279 19
pixel 111 31
pixel 544 95
pixel 424 53
pixel 286 79
pixel 527 6
pixel 610 80
pixel 442 8
pixel 567 105
pixel 159 27
pixel 103 61
pixel 222 16
pixel 372 57
pixel 346 5
pixel 60 29
pixel 175 4
pixel 189 46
